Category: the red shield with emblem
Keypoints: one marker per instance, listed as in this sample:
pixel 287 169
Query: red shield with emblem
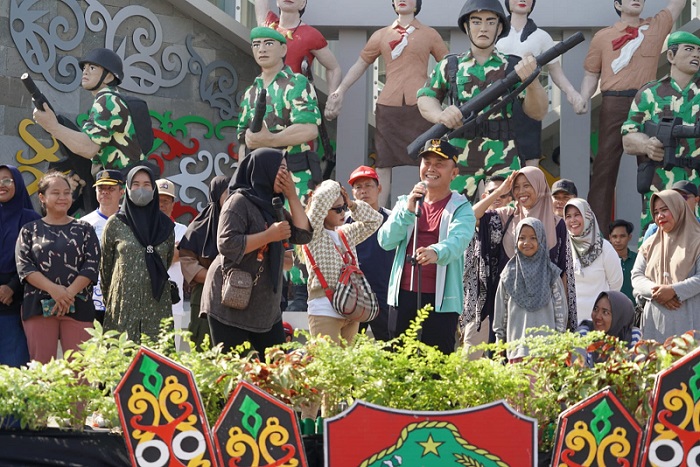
pixel 161 413
pixel 492 435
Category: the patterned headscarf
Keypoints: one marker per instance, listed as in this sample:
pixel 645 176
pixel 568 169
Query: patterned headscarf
pixel 589 245
pixel 528 280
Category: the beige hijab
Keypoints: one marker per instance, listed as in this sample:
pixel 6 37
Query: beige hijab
pixel 542 210
pixel 671 256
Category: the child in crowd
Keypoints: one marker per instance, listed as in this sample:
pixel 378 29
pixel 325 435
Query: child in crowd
pixel 530 293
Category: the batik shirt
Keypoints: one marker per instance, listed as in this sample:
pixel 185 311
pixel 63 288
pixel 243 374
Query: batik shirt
pixel 665 98
pixel 290 100
pixel 481 156
pixel 109 125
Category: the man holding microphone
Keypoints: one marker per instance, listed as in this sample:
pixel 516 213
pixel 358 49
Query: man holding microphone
pixel 444 227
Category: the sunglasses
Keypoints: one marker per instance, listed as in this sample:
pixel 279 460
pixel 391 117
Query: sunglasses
pixel 6 182
pixel 339 209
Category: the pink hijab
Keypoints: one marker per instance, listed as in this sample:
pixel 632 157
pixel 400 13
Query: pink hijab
pixel 542 210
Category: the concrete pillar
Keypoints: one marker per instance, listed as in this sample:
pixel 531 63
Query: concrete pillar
pixel 352 122
pixel 575 130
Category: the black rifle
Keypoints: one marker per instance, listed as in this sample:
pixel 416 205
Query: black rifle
pixel 470 109
pixel 260 108
pixel 37 97
pixel 669 130
pixel 328 151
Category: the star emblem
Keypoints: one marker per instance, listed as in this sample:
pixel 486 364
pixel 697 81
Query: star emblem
pixel 430 446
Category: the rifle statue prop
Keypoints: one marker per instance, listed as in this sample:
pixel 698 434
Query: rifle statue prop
pixel 470 109
pixel 669 130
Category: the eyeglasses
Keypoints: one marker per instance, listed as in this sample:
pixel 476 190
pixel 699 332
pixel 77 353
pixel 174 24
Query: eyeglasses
pixel 6 182
pixel 339 209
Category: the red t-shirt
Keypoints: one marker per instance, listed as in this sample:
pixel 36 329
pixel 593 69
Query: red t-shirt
pixel 428 234
pixel 303 40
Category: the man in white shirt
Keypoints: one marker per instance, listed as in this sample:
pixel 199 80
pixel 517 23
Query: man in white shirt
pixel 110 189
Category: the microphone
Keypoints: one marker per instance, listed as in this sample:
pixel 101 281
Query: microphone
pixel 419 201
pixel 278 206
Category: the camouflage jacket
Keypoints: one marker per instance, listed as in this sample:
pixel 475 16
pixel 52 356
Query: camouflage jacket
pixel 664 98
pixel 473 78
pixel 109 125
pixel 290 100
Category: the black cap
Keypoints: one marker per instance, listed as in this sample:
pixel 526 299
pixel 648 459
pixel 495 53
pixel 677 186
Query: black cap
pixel 109 177
pixel 441 148
pixel 621 223
pixel 686 187
pixel 566 185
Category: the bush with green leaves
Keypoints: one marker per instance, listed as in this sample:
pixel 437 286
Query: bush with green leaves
pixel 402 374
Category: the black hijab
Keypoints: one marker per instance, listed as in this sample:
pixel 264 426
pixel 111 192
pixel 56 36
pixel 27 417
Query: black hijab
pixel 150 227
pixel 201 234
pixel 13 215
pixel 255 179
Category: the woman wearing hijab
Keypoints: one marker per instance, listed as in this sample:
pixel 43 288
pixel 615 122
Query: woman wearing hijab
pixel 251 238
pixel 667 271
pixel 613 313
pixel 597 266
pixel 497 242
pixel 522 302
pixel 198 250
pixel 138 244
pixel 15 211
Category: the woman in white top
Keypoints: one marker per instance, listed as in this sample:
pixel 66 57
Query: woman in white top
pixel 596 264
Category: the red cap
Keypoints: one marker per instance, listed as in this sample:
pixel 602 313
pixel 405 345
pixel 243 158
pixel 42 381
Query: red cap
pixel 288 329
pixel 362 172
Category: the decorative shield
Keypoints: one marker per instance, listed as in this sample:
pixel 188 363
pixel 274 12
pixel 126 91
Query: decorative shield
pixel 672 436
pixel 161 414
pixel 368 435
pixel 598 431
pixel 257 429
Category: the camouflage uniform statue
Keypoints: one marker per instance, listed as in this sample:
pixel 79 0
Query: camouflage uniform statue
pixel 490 148
pixel 291 120
pixel 481 156
pixel 108 136
pixel 290 100
pixel 109 125
pixel 667 98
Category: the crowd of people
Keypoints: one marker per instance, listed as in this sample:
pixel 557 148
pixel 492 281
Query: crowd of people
pixel 524 255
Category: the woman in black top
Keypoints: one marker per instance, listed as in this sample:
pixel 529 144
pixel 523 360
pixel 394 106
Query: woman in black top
pixel 57 259
pixel 250 238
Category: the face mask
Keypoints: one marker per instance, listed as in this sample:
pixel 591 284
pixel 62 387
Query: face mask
pixel 141 196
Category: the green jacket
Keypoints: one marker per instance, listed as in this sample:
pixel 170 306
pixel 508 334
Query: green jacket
pixel 456 231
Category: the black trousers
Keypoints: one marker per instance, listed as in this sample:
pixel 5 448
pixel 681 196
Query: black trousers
pixel 231 336
pixel 379 325
pixel 439 329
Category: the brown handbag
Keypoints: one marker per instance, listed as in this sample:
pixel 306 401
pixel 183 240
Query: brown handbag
pixel 238 287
